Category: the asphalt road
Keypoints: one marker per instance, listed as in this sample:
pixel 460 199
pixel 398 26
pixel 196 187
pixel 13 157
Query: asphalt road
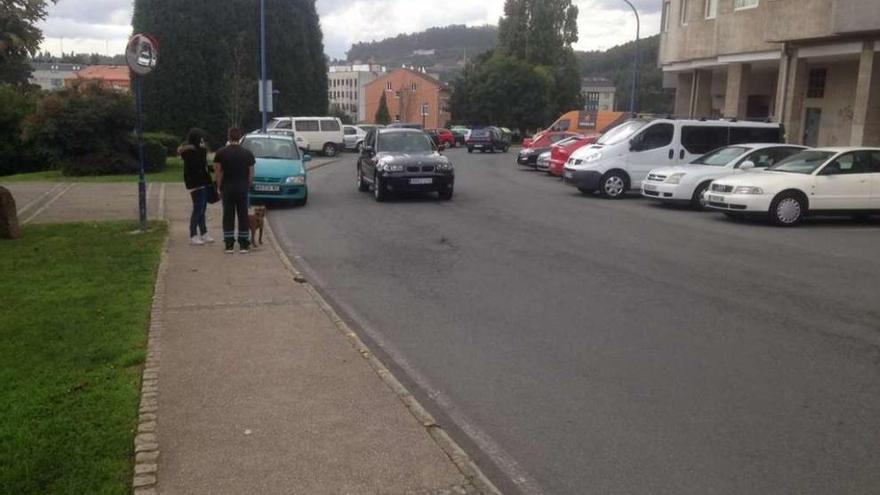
pixel 578 345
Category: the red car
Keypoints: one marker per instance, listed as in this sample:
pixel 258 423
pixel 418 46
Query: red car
pixel 443 137
pixel 532 148
pixel 560 152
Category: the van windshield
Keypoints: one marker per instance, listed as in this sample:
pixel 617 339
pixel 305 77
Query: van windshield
pixel 621 133
pixel 721 157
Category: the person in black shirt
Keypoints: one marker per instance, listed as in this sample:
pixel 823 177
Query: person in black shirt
pixel 198 181
pixel 234 168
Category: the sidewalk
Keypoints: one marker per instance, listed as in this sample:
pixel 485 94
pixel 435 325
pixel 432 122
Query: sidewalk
pixel 260 392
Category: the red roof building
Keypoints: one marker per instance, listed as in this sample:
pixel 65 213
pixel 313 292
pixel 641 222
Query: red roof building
pixel 107 76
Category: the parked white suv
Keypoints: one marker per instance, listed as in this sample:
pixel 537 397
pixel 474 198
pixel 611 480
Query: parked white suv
pixel 818 181
pixel 687 183
pixel 621 159
pixel 316 134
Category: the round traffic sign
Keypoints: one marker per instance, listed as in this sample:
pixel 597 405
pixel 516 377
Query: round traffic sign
pixel 142 53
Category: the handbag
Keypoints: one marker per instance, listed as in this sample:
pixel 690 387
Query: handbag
pixel 211 193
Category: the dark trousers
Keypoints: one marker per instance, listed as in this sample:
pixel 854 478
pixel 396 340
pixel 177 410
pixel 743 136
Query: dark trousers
pixel 197 218
pixel 235 206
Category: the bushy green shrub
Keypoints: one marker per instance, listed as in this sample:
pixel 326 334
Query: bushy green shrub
pixel 155 154
pixel 82 125
pixel 169 141
pixel 16 156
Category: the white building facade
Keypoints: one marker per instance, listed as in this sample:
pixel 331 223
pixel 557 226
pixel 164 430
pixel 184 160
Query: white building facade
pixel 50 76
pixel 346 87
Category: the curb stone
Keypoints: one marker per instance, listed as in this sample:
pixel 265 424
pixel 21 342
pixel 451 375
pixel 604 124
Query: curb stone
pixel 146 440
pixel 477 480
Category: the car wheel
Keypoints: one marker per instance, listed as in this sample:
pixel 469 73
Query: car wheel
pixel 787 210
pixel 379 193
pixel 505 149
pixel 698 194
pixel 445 194
pixel 361 185
pixel 360 147
pixel 470 150
pixel 613 185
pixel 329 150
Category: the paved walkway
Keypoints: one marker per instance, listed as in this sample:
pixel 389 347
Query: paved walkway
pixel 259 388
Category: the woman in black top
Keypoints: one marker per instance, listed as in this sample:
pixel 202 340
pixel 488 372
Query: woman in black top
pixel 197 180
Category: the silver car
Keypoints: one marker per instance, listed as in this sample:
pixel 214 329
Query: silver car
pixel 353 137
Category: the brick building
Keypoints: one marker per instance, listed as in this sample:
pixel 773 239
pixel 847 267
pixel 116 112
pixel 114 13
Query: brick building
pixel 408 92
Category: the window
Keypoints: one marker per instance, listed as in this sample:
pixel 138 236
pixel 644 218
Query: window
pixel 744 4
pixel 329 126
pixel 280 124
pixel 349 131
pixel 711 9
pixel 684 12
pixel 850 163
pixel 816 83
pixel 592 96
pixel 699 140
pixel 740 135
pixel 664 19
pixel 388 86
pixel 656 136
pixel 414 87
pixel 307 126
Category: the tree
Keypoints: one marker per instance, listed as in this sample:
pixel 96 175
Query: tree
pixel 191 86
pixel 239 90
pixel 19 37
pixel 383 117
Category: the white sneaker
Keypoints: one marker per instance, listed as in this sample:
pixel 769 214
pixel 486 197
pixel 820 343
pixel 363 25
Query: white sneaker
pixel 207 239
pixel 196 241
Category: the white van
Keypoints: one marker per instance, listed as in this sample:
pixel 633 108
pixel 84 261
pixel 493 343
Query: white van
pixel 314 134
pixel 621 159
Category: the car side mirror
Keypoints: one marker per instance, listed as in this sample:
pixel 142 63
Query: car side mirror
pixel 307 158
pixel 747 165
pixel 368 150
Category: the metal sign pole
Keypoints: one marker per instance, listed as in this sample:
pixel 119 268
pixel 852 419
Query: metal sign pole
pixel 263 103
pixel 142 182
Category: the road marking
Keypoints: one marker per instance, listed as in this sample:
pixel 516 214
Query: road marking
pixel 161 212
pixel 48 203
pixel 322 165
pixel 30 205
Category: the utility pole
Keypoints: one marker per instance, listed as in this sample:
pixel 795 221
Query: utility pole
pixel 633 97
pixel 264 101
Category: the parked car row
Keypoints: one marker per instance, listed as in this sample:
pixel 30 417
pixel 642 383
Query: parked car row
pixel 739 168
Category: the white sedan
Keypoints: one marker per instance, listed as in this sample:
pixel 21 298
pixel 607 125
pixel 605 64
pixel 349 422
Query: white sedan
pixel 819 181
pixel 687 183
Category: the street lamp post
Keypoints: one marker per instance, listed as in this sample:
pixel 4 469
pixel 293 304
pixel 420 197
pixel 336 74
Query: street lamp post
pixel 633 97
pixel 263 89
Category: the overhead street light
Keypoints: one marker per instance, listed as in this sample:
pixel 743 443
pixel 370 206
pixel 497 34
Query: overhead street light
pixel 633 97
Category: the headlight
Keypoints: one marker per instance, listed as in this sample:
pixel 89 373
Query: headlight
pixel 389 166
pixel 748 190
pixel 444 166
pixel 575 161
pixel 675 178
pixel 296 180
pixel 593 157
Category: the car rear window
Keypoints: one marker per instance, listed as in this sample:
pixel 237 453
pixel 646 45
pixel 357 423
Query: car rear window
pixel 329 126
pixel 480 133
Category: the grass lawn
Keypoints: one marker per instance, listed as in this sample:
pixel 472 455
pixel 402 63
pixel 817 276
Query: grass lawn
pixel 74 309
pixel 173 173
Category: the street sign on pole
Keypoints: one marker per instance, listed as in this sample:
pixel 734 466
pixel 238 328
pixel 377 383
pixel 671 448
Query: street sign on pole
pixel 142 56
pixel 269 105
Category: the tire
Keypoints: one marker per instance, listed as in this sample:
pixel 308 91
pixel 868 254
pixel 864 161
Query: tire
pixel 361 185
pixel 787 209
pixel 360 147
pixel 504 150
pixel 698 193
pixel 613 185
pixel 379 193
pixel 470 150
pixel 329 150
pixel 446 194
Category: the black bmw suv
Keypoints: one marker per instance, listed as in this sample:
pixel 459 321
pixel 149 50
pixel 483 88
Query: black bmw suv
pixel 401 160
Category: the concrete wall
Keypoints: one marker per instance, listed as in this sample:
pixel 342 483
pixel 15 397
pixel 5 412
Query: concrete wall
pixel 799 19
pixel 854 16
pixel 836 105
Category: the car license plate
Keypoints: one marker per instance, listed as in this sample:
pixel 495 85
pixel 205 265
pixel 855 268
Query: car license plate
pixel 262 188
pixel 427 180
pixel 716 199
pixel 650 187
pixel 478 146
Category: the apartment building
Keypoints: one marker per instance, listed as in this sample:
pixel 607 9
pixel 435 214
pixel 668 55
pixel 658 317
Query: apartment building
pixel 347 86
pixel 409 93
pixel 51 75
pixel 598 93
pixel 813 65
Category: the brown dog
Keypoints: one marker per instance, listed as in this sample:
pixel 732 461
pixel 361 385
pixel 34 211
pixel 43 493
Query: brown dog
pixel 257 219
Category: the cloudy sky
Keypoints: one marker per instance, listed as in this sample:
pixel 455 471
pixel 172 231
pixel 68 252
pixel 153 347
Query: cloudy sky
pixel 102 26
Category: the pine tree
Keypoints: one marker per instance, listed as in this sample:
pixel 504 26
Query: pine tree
pixel 383 117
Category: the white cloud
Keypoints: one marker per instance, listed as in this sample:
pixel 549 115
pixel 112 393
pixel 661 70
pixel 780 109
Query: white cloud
pixel 101 25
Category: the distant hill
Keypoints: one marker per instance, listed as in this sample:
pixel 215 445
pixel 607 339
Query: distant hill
pixel 616 64
pixel 441 50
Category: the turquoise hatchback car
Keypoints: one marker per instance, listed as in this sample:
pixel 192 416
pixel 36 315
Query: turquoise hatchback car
pixel 280 172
